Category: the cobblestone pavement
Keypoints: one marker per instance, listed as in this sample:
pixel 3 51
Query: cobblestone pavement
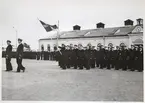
pixel 44 80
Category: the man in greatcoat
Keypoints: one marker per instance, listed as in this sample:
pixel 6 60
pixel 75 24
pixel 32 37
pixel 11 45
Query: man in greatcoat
pixel 8 56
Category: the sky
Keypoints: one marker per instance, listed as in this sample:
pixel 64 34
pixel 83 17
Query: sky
pixel 23 16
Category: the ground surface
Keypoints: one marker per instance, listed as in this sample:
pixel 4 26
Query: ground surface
pixel 44 80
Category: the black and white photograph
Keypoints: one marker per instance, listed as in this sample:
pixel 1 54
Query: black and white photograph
pixel 72 50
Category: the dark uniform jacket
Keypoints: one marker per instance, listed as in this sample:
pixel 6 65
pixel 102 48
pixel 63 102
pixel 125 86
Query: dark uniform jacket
pixel 80 54
pixel 107 55
pixel 9 51
pixel 88 54
pixel 67 55
pixel 20 50
pixel 101 54
pixel 74 54
pixel 119 55
pixel 97 55
pixel 131 54
pixel 140 56
pixel 136 55
pixel 93 56
pixel 113 54
pixel 124 54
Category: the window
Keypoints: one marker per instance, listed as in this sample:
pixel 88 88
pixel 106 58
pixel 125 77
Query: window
pixel 48 47
pixel 55 47
pixel 42 47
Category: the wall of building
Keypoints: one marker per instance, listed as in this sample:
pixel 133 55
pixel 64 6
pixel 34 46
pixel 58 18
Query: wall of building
pixel 133 37
pixel 116 41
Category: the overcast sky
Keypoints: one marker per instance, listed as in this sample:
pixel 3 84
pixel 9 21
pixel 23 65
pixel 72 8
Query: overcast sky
pixel 23 14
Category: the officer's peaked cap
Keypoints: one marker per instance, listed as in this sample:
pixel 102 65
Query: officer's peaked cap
pixel 19 39
pixel 8 41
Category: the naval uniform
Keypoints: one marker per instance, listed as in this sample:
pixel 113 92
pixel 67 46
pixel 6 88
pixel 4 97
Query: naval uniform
pixel 87 59
pixel 140 61
pixel 74 58
pixel 8 58
pixel 81 59
pixel 19 57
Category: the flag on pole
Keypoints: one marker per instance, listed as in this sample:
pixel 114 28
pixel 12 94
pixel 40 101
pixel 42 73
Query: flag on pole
pixel 48 27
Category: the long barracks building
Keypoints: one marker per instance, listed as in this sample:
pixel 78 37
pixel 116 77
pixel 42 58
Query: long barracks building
pixel 127 35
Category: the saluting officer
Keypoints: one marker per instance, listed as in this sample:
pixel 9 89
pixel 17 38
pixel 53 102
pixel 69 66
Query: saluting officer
pixel 19 56
pixel 8 56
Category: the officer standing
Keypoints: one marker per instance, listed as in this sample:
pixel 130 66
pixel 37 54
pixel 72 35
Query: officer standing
pixel 112 57
pixel 140 59
pixel 62 57
pixel 101 56
pixel 8 56
pixel 81 56
pixel 131 58
pixel 42 53
pixel 108 57
pixel 74 57
pixel 93 57
pixel 136 58
pixel 105 57
pixel 38 54
pixel 19 56
pixel 45 55
pixel 118 57
pixel 55 53
pixel 87 59
pixel 124 58
pixel 97 56
pixel 71 56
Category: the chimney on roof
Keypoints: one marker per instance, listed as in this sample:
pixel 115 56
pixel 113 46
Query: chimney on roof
pixel 76 27
pixel 100 25
pixel 128 22
pixel 139 21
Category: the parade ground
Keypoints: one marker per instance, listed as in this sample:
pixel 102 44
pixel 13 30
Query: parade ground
pixel 45 81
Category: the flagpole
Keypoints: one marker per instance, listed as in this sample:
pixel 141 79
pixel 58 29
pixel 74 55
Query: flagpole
pixel 57 35
pixel 16 35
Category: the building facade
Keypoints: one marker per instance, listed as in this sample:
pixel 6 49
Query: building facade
pixel 127 35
